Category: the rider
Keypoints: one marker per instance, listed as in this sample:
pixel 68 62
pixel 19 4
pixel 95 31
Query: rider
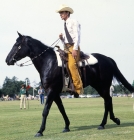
pixel 71 39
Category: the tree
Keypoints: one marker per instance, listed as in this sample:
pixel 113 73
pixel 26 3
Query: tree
pixel 11 86
pixel 14 79
pixel 0 92
pixel 120 89
pixel 89 90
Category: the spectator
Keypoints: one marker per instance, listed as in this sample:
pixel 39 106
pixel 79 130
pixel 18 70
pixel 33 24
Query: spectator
pixel 23 96
pixel 111 90
pixel 41 94
pixel 132 95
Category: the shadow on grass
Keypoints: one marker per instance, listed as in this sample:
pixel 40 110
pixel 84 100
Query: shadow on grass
pixel 108 126
pixel 80 128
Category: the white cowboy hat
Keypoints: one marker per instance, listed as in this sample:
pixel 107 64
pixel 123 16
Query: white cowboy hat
pixel 64 7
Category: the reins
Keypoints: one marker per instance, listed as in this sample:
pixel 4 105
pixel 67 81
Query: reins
pixel 22 64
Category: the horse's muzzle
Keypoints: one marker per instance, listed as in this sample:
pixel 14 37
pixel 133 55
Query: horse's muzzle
pixel 10 62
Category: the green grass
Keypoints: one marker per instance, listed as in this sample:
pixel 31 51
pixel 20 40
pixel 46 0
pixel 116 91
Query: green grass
pixel 85 115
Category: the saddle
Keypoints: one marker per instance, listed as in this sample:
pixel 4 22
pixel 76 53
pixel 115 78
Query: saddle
pixel 66 72
pixel 63 55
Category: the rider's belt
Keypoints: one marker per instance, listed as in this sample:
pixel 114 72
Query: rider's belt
pixel 68 45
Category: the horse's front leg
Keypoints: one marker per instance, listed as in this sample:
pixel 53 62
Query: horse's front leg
pixel 58 101
pixel 45 112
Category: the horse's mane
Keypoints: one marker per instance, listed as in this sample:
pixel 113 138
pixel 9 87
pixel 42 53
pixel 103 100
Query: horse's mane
pixel 39 43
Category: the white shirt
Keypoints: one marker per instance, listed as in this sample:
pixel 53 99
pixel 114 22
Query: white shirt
pixel 111 88
pixel 40 91
pixel 73 28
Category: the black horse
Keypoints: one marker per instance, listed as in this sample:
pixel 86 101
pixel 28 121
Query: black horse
pixel 99 76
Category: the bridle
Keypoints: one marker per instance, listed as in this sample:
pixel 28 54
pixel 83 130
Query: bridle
pixel 19 48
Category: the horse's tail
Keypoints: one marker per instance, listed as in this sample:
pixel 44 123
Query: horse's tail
pixel 120 78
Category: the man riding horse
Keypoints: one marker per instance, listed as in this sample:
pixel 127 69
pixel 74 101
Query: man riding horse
pixel 99 75
pixel 71 39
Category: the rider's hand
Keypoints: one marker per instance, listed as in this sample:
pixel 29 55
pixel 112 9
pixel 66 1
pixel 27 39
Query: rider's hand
pixel 61 36
pixel 74 53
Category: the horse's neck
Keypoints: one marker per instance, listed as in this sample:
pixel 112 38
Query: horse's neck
pixel 37 50
pixel 45 61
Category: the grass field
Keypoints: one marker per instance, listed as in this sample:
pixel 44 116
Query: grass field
pixel 85 115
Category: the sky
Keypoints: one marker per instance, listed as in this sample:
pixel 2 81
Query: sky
pixel 107 27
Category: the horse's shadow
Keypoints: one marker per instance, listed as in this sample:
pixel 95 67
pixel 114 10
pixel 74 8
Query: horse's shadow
pixel 108 126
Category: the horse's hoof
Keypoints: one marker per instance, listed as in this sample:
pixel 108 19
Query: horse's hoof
pixel 101 127
pixel 38 135
pixel 66 130
pixel 117 121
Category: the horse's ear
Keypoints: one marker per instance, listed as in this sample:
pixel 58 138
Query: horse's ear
pixel 19 34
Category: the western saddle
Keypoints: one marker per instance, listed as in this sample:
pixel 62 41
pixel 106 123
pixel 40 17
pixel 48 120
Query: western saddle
pixel 66 72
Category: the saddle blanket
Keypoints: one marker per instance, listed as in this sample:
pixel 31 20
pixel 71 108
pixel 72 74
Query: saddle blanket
pixel 91 61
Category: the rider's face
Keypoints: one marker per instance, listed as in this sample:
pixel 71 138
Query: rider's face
pixel 64 15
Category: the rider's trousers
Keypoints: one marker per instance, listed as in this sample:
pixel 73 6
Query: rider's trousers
pixel 23 101
pixel 74 70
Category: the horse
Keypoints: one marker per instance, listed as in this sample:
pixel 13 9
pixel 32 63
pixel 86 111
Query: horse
pixel 99 76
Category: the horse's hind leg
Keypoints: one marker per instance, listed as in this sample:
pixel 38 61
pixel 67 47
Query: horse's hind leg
pixel 104 121
pixel 58 101
pixel 112 117
pixel 108 108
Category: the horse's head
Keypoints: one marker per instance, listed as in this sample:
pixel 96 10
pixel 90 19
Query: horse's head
pixel 20 50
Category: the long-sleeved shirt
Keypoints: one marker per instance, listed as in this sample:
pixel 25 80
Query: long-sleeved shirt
pixel 74 29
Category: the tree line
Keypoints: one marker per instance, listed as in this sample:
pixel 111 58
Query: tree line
pixel 117 89
pixel 12 87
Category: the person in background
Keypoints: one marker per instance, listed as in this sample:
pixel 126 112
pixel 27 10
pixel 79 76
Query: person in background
pixel 132 95
pixel 41 94
pixel 111 90
pixel 23 96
